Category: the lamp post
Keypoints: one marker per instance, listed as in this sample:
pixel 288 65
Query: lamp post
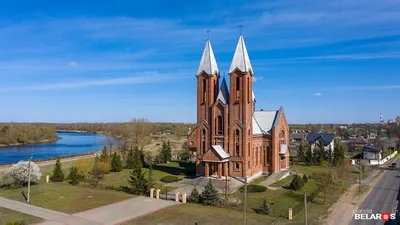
pixel 29 178
pixel 245 201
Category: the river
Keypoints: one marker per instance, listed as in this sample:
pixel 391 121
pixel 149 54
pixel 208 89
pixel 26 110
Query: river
pixel 70 143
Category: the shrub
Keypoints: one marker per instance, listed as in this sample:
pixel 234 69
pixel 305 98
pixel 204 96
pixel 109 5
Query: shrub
pixel 170 179
pixel 58 173
pixel 112 187
pixel 297 183
pixel 305 178
pixel 264 208
pixel 105 166
pixel 253 188
pixel 84 165
pixel 20 172
pixel 74 176
pixel 21 222
pixel 194 196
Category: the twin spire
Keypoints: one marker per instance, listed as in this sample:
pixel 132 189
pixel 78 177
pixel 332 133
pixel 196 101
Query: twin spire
pixel 240 61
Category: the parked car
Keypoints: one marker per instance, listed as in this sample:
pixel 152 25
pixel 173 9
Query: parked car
pixel 394 165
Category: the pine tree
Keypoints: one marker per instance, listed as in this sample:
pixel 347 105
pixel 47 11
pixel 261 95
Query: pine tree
pixel 104 154
pixel 309 155
pixel 264 208
pixel 73 176
pixel 168 155
pixel 300 153
pixel 150 176
pixel 328 155
pixel 130 160
pixel 58 173
pixel 96 174
pixel 116 163
pixel 322 152
pixel 194 196
pixel 137 158
pixel 338 154
pixel 186 154
pixel 138 181
pixel 165 152
pixel 209 195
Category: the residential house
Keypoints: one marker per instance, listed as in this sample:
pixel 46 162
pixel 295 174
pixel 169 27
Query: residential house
pixel 358 142
pixel 314 140
pixel 297 138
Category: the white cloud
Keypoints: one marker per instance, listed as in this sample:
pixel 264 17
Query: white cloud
pixel 73 64
pixel 148 78
pixel 255 79
pixel 317 94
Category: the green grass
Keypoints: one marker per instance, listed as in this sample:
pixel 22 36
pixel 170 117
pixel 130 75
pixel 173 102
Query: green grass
pixel 8 215
pixel 65 198
pixel 259 180
pixel 282 182
pixel 185 214
pixel 317 209
pixel 309 170
pixel 354 173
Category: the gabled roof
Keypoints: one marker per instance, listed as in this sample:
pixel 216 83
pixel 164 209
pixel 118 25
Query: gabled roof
pixel 264 121
pixel 220 151
pixel 208 63
pixel 311 137
pixel 223 94
pixel 241 60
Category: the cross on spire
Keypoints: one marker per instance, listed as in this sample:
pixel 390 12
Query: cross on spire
pixel 241 29
pixel 208 34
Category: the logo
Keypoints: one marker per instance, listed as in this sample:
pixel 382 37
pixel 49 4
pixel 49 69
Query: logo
pixel 367 214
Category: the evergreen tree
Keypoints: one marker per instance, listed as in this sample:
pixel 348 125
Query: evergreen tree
pixel 137 158
pixel 264 208
pixel 297 183
pixel 165 152
pixel 168 155
pixel 322 152
pixel 300 153
pixel 338 154
pixel 315 155
pixel 73 176
pixel 194 196
pixel 116 163
pixel 130 159
pixel 328 155
pixel 209 195
pixel 96 174
pixel 309 155
pixel 138 181
pixel 150 176
pixel 58 173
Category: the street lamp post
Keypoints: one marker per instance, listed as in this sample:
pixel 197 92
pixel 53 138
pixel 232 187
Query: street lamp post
pixel 29 178
pixel 245 201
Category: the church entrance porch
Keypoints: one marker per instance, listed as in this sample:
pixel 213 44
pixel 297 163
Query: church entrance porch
pixel 216 162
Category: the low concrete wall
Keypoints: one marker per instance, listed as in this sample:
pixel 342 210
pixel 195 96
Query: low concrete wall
pixel 381 162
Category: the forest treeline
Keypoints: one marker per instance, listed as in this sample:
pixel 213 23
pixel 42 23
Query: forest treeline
pixel 18 133
pixel 136 131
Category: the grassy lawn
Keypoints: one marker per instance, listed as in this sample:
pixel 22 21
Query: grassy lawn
pixel 309 170
pixel 354 172
pixel 259 180
pixel 282 182
pixel 317 209
pixel 185 214
pixel 7 215
pixel 65 198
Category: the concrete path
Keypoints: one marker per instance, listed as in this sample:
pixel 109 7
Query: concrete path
pixel 53 217
pixel 106 215
pixel 124 211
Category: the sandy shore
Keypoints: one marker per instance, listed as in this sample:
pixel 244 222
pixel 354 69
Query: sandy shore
pixel 53 161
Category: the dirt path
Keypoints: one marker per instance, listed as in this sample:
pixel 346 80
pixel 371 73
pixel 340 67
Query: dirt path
pixel 342 211
pixel 52 162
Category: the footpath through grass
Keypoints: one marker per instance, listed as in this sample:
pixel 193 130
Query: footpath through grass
pixel 8 215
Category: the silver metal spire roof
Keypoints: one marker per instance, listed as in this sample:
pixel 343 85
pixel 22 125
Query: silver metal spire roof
pixel 208 64
pixel 241 60
pixel 223 94
pixel 254 97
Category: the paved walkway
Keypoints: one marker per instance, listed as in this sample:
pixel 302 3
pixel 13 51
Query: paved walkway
pixel 108 215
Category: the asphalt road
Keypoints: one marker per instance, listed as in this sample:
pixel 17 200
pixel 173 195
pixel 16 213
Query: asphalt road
pixel 384 197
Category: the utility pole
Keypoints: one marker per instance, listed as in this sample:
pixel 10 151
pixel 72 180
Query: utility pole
pixel 29 178
pixel 245 201
pixel 305 208
pixel 359 175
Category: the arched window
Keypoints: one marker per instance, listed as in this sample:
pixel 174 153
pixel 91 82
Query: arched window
pixel 249 150
pixel 203 141
pixel 220 125
pixel 237 144
pixel 282 136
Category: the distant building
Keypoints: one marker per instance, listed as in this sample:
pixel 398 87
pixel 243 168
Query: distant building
pixel 296 137
pixel 372 152
pixel 314 140
pixel 358 142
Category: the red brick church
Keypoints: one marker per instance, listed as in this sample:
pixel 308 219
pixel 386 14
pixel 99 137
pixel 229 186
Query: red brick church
pixel 231 138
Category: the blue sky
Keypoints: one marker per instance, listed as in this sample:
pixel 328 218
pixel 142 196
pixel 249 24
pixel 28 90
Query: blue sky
pixel 100 61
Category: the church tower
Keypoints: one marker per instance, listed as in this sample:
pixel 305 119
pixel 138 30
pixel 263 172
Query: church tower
pixel 207 90
pixel 241 112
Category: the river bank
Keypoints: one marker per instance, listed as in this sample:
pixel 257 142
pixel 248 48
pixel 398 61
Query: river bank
pixel 31 142
pixel 49 162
